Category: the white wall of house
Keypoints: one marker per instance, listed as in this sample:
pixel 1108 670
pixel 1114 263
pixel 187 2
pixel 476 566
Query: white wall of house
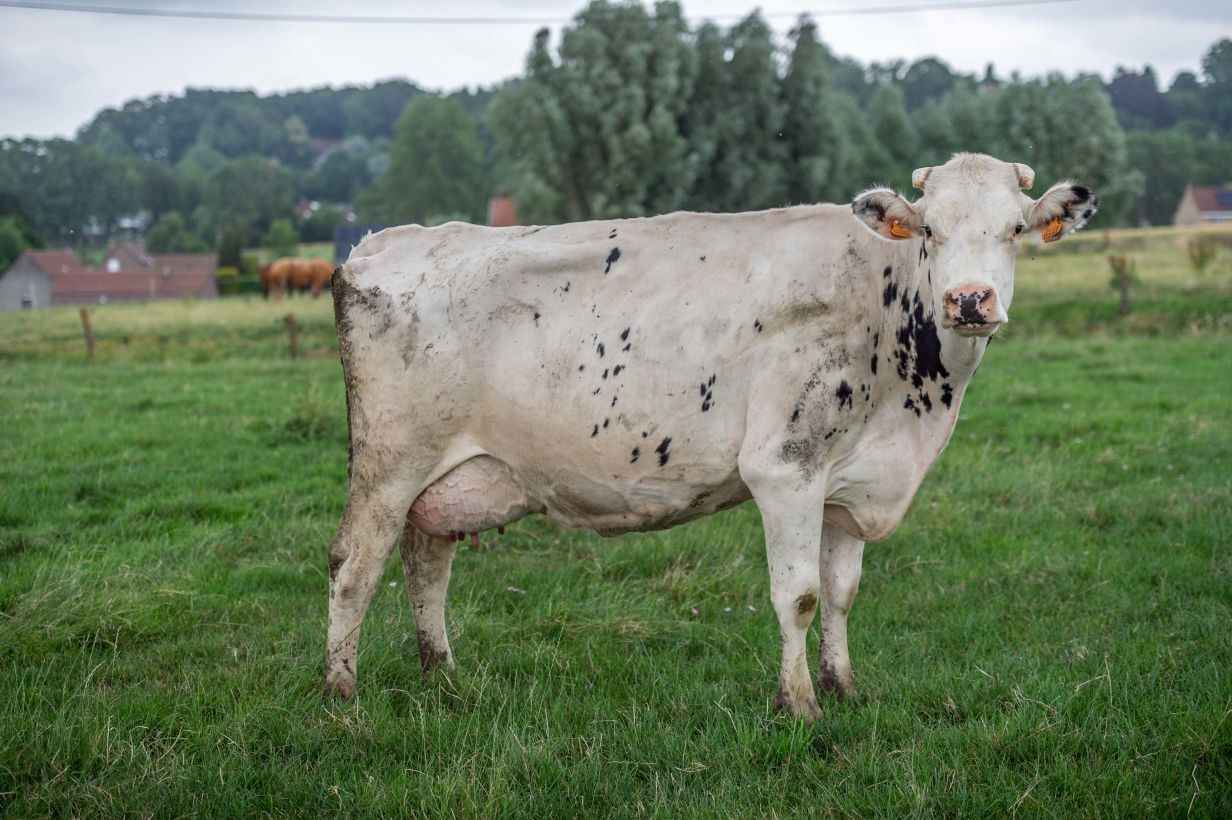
pixel 24 286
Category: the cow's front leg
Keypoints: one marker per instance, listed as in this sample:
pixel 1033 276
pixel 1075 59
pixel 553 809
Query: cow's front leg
pixel 841 557
pixel 426 563
pixel 357 556
pixel 792 522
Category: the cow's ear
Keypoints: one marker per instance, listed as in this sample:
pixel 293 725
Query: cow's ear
pixel 1063 209
pixel 886 213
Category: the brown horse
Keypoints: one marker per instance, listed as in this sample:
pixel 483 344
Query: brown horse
pixel 299 274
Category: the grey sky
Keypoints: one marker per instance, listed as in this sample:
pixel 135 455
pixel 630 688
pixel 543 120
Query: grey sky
pixel 57 69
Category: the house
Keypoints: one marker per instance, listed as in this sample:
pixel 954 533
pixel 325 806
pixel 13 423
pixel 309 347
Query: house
pixel 28 281
pixel 501 213
pixel 127 274
pixel 1204 205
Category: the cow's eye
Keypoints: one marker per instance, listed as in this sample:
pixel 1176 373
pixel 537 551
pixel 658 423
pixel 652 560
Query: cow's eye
pixel 927 231
pixel 1019 228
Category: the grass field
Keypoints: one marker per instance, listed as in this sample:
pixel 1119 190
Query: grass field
pixel 1049 632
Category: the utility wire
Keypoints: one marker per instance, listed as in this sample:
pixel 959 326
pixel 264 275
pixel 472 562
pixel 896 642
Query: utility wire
pixel 191 14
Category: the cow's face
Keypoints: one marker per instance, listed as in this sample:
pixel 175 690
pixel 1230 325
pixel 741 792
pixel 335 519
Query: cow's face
pixel 971 220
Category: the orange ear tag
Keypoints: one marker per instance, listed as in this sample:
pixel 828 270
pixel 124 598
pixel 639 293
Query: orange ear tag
pixel 899 231
pixel 1052 232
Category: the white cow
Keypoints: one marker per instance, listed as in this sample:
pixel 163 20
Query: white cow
pixel 634 374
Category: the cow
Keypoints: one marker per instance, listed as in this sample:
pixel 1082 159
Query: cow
pixel 289 274
pixel 626 375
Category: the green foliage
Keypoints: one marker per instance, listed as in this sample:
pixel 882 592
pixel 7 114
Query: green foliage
pixel 893 132
pixel 170 234
pixel 594 131
pixel 815 143
pixel 67 187
pixel 281 239
pixel 231 246
pixel 12 242
pixel 251 192
pixel 740 156
pixel 228 280
pixel 319 226
pixel 1168 162
pixel 342 174
pixel 436 165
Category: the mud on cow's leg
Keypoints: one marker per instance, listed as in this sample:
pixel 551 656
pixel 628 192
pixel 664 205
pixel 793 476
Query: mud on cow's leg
pixel 841 557
pixel 426 563
pixel 357 556
pixel 792 523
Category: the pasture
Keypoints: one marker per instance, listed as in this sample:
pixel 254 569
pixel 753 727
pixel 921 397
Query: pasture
pixel 1047 633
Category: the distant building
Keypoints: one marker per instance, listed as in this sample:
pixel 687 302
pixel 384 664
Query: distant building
pixel 39 279
pixel 501 212
pixel 1204 205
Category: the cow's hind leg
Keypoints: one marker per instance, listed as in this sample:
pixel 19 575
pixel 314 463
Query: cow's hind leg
pixel 370 524
pixel 841 557
pixel 426 562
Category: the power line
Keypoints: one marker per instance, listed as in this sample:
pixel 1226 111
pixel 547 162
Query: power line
pixel 250 17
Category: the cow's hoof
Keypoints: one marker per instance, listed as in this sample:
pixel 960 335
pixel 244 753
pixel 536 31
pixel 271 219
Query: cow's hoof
pixel 341 687
pixel 799 708
pixel 836 686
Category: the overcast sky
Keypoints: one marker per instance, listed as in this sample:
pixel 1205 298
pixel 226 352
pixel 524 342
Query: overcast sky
pixel 58 68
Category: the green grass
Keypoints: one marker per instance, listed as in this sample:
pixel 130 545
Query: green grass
pixel 1047 633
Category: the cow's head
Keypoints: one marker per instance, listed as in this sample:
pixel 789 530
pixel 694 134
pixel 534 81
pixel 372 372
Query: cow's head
pixel 972 218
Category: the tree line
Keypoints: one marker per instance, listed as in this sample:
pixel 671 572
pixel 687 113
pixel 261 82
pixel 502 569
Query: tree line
pixel 632 112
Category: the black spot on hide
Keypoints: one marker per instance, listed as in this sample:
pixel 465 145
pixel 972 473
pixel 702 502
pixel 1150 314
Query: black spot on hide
pixel 636 452
pixel 664 455
pixel 595 431
pixel 889 269
pixel 947 394
pixel 757 325
pixel 612 259
pixel 624 335
pixel 889 294
pixel 600 350
pixel 844 394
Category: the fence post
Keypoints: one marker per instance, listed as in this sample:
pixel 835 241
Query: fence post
pixel 89 331
pixel 291 335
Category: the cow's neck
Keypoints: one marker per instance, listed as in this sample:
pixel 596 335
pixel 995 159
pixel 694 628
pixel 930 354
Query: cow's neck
pixel 923 370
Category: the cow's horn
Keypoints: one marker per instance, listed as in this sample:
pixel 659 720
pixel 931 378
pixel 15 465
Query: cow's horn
pixel 918 176
pixel 1026 177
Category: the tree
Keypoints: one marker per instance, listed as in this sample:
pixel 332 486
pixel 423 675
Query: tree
pixel 170 234
pixel 736 136
pixel 893 131
pixel 1066 130
pixel 281 239
pixel 341 174
pixel 594 132
pixel 251 192
pixel 231 247
pixel 70 190
pixel 1168 163
pixel 12 242
pixel 926 80
pixel 811 134
pixel 436 165
pixel 319 227
pixel 1137 99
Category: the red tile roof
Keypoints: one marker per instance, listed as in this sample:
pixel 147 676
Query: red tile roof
pixel 1213 198
pixel 55 262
